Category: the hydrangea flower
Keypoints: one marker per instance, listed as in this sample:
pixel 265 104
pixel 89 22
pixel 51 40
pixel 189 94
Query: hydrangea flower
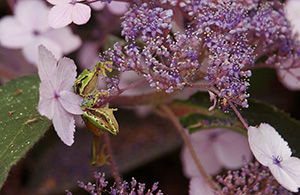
pixel 65 12
pixel 58 102
pixel 216 148
pixel 270 149
pixel 28 29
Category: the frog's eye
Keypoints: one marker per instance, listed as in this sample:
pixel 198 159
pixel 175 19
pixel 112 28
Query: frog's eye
pixel 78 86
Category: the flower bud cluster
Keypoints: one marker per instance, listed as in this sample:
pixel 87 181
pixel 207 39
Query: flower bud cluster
pixel 101 187
pixel 221 42
pixel 252 179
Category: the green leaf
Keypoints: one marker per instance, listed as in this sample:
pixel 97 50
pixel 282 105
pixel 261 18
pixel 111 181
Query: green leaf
pixel 20 123
pixel 195 116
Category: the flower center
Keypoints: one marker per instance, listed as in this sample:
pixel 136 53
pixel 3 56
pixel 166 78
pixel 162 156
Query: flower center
pixel 36 33
pixel 56 95
pixel 73 2
pixel 277 160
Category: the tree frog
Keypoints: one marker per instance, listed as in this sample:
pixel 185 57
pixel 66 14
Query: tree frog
pixel 101 119
pixel 97 119
pixel 87 82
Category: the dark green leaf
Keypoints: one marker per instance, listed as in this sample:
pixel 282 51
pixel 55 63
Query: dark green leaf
pixel 20 123
pixel 195 116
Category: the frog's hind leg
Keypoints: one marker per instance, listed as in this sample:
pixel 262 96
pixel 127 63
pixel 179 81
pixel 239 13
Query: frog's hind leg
pixel 99 158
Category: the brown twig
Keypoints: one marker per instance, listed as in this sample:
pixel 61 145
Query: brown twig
pixel 186 140
pixel 111 161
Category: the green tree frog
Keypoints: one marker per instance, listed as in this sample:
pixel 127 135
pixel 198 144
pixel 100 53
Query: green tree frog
pixel 97 119
pixel 87 82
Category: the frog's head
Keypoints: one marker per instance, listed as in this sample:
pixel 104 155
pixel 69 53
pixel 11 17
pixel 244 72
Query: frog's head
pixel 86 83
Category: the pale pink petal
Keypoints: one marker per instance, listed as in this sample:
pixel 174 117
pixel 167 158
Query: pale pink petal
pixel 12 34
pixel 257 146
pixel 276 144
pixel 97 5
pixel 46 106
pixel 206 155
pixel 71 102
pixel 30 50
pixel 32 14
pixel 198 186
pixel 231 148
pixel 292 167
pixel 68 41
pixel 60 15
pixel 117 8
pixel 266 143
pixel 64 124
pixel 290 78
pixel 65 76
pixel 81 13
pixel 283 178
pixel 59 2
pixel 204 135
pixel 47 64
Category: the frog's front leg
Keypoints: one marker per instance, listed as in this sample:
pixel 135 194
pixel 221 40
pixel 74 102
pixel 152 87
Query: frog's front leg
pixel 99 158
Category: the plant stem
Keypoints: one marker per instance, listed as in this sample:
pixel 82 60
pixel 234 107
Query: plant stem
pixel 115 96
pixel 111 161
pixel 186 140
pixel 238 114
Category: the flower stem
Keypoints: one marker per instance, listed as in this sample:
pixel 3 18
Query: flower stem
pixel 238 114
pixel 132 85
pixel 186 140
pixel 115 96
pixel 111 161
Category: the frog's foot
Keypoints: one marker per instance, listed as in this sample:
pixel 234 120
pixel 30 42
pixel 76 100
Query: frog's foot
pixel 102 158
